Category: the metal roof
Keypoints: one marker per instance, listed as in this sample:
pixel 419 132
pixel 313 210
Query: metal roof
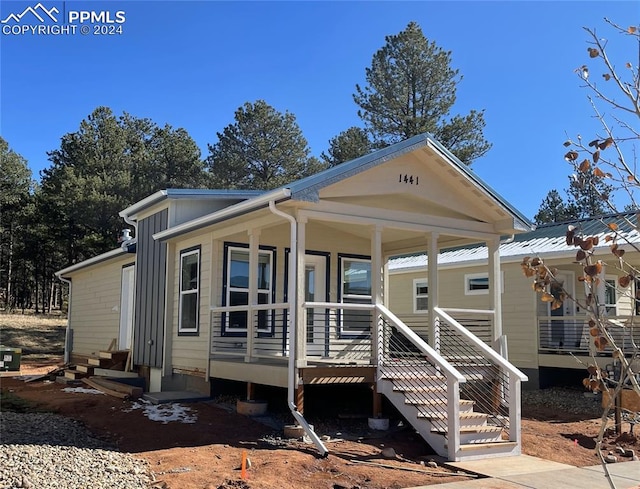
pixel 547 240
pixel 194 194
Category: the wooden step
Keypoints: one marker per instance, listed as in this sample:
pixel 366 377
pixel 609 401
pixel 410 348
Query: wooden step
pixel 99 362
pixel 465 405
pixel 474 434
pixel 116 355
pixel 468 419
pixel 85 368
pixel 74 374
pixel 484 446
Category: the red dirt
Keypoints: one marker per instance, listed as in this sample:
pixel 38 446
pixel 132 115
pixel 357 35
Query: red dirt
pixel 208 454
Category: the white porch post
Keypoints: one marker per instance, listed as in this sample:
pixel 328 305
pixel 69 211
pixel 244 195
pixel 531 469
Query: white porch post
pixel 301 321
pixel 254 236
pixel 495 292
pixel 432 284
pixel 376 288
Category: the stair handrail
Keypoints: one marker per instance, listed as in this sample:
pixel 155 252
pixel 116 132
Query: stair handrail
pixel 450 371
pixel 489 352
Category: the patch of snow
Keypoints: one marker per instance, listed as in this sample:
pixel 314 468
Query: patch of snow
pixel 82 390
pixel 164 413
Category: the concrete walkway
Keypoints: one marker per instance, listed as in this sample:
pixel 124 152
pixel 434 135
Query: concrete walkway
pixel 535 473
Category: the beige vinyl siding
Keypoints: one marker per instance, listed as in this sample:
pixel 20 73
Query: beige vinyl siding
pixel 95 307
pixel 191 352
pixel 519 321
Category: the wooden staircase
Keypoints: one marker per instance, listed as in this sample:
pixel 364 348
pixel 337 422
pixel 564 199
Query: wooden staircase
pixel 463 399
pixel 106 359
pixel 420 395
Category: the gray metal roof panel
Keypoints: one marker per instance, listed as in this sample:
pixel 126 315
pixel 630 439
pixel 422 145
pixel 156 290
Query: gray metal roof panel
pixel 548 239
pixel 184 193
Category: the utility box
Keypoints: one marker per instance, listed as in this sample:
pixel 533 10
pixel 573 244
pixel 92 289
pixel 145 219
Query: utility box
pixel 10 358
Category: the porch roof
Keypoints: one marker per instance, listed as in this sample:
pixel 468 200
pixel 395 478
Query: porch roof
pixel 308 189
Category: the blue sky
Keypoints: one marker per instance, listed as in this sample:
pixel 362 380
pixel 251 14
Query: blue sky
pixel 192 64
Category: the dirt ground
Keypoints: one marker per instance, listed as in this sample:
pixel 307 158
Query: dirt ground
pixel 208 453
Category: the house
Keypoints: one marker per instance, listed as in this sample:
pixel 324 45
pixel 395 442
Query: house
pixel 548 344
pixel 291 287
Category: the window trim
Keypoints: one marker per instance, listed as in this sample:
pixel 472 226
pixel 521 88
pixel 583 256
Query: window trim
pixel 355 333
pixel 417 296
pixel 469 276
pixel 181 330
pixel 226 288
pixel 616 296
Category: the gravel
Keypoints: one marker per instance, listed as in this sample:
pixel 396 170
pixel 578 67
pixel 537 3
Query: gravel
pixel 566 400
pixel 44 450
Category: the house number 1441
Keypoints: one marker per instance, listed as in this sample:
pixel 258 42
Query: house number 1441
pixel 408 179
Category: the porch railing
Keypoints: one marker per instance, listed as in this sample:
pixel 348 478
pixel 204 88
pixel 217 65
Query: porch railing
pixel 492 383
pixel 425 377
pixel 334 332
pixel 570 334
pixel 230 326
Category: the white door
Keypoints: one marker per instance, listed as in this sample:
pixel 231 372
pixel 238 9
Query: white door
pixel 316 291
pixel 565 330
pixel 126 307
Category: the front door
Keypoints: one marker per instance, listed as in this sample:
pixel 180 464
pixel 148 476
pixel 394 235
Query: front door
pixel 126 307
pixel 316 291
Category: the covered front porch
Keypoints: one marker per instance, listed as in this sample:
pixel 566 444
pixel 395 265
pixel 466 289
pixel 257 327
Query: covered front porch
pixel 299 294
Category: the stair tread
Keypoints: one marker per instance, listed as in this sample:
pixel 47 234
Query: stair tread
pixel 485 444
pixel 113 353
pixel 463 415
pixel 474 429
pixel 436 402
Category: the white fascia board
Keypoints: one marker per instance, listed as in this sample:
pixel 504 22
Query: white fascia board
pixel 142 204
pixel 91 261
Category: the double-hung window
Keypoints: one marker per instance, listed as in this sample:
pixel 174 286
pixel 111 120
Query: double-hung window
pixel 189 291
pixel 237 288
pixel 355 288
pixel 420 296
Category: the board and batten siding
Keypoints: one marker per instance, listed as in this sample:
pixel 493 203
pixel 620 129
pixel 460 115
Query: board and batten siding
pixel 151 272
pixel 95 308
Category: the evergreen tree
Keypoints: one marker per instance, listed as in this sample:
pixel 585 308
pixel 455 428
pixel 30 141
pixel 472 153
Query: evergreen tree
pixel 16 186
pixel 554 209
pixel 108 164
pixel 262 149
pixel 346 146
pixel 411 89
pixel 588 194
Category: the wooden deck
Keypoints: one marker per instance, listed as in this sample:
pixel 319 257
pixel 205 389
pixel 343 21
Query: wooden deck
pixel 275 373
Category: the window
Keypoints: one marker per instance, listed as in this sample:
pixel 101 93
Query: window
pixel 355 288
pixel 189 291
pixel 420 296
pixel 611 296
pixel 237 288
pixel 478 283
